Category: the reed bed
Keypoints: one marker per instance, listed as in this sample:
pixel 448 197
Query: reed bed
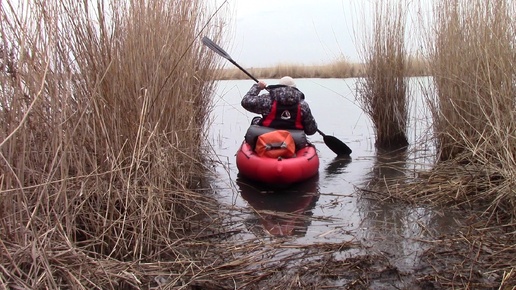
pixel 416 66
pixel 102 185
pixel 479 252
pixel 473 62
pixel 103 107
pixel 382 92
pixel 471 57
pixel 336 69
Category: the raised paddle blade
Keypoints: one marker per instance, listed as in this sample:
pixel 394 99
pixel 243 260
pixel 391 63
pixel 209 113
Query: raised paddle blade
pixel 213 46
pixel 337 146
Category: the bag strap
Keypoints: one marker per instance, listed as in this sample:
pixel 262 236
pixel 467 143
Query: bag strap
pixel 276 145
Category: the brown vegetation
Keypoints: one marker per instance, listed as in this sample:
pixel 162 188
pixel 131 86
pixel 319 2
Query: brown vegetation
pixel 102 107
pixel 102 110
pixel 337 69
pixel 472 60
pixel 416 66
pixel 383 91
pixel 474 66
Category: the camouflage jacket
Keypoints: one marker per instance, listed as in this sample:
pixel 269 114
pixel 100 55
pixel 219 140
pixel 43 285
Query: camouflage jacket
pixel 262 104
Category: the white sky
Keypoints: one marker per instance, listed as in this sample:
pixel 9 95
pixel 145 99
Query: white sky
pixel 270 32
pixel 264 33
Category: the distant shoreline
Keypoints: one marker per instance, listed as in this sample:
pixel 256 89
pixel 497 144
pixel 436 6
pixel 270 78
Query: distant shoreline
pixel 338 69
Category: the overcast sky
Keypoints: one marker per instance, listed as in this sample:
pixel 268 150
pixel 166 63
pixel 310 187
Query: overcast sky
pixel 264 33
pixel 269 32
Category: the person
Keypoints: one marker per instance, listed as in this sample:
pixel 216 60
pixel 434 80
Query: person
pixel 283 107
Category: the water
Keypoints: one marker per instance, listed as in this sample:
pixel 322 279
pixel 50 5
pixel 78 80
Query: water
pixel 330 207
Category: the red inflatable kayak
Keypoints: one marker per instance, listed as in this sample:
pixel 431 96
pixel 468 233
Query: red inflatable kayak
pixel 277 171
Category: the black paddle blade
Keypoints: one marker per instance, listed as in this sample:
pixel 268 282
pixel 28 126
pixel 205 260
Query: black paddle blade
pixel 337 146
pixel 213 46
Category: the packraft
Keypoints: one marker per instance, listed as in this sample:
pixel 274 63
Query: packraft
pixel 276 157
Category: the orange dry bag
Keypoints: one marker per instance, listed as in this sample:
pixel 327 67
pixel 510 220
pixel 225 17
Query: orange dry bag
pixel 276 144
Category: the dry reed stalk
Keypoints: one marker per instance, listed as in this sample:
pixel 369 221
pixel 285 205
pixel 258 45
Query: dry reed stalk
pixel 480 251
pixel 417 66
pixel 383 91
pixel 473 257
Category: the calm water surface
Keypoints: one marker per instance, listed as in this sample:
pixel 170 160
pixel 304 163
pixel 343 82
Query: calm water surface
pixel 338 211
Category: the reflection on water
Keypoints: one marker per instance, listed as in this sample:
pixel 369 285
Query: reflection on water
pixel 338 165
pixel 396 229
pixel 281 212
pixel 390 165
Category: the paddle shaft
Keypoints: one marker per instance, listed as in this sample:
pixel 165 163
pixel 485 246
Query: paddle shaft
pixel 242 69
pixel 337 146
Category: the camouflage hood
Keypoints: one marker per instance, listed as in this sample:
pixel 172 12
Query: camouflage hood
pixel 285 95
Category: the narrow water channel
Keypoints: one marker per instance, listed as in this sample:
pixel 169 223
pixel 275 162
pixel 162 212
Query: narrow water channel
pixel 330 207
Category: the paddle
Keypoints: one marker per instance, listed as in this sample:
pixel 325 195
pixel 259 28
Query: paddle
pixel 213 46
pixel 337 146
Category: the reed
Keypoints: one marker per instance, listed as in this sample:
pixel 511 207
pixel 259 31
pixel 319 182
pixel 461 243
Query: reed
pixel 382 93
pixel 472 60
pixel 473 63
pixel 103 107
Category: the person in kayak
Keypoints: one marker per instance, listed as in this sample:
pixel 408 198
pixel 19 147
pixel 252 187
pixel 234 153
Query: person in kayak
pixel 283 107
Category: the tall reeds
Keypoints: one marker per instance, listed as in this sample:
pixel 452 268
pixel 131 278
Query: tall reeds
pixel 383 91
pixel 473 62
pixel 103 107
pixel 472 58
